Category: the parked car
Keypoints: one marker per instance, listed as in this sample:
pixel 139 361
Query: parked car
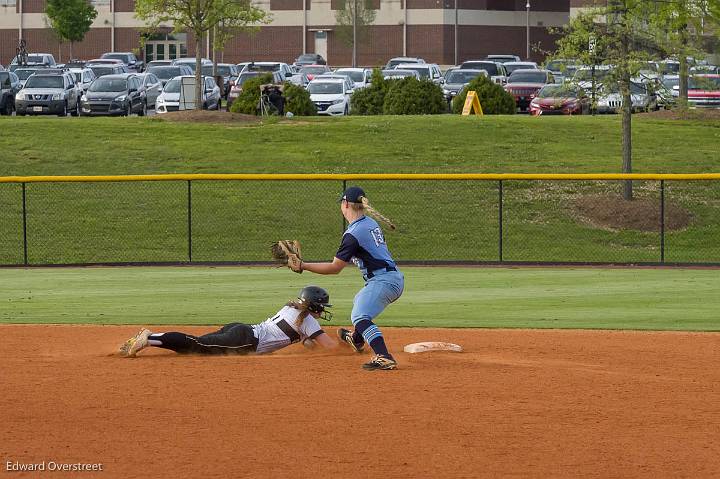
pixel 359 76
pixel 106 61
pixel 456 80
pixel 153 87
pixel 24 73
pixel 83 77
pixel 394 74
pixel 283 68
pixel 128 58
pixel 512 66
pixel 496 71
pixel 704 91
pixel 704 69
pixel 611 101
pixel 37 59
pixel 299 79
pixel 393 62
pixel 168 72
pixel 237 87
pixel 229 72
pixel 669 67
pixel 159 63
pixel 562 69
pixel 75 64
pixel 191 62
pixel 53 94
pixel 101 69
pixel 312 70
pixel 9 86
pixel 309 59
pixel 169 99
pixel 427 71
pixel 115 95
pixel 523 85
pixel 503 58
pixel 331 96
pixel 560 100
pixel 349 84
pixel 585 76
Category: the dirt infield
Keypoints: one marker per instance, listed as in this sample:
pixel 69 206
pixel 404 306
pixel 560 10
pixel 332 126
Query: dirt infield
pixel 517 403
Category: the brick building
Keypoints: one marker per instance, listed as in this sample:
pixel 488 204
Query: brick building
pixel 441 31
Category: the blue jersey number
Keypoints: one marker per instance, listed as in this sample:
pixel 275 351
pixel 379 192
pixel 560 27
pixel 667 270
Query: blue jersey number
pixel 377 235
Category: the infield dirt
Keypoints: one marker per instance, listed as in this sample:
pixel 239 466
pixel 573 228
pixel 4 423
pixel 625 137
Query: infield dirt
pixel 517 403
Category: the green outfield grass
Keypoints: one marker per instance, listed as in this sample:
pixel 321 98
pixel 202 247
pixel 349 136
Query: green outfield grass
pixel 642 299
pixel 384 144
pixel 147 222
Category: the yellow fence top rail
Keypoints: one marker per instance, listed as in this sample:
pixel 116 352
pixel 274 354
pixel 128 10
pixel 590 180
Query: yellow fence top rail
pixel 367 176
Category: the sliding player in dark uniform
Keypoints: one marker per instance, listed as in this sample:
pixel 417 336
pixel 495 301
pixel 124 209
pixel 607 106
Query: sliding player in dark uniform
pixel 295 322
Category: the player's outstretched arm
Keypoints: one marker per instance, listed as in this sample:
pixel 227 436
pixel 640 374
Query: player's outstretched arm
pixel 333 267
pixel 324 340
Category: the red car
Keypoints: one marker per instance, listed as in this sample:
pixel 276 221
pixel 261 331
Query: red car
pixel 525 84
pixel 704 91
pixel 560 100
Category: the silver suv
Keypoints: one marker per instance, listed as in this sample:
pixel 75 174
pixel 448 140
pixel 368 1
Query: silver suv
pixel 48 94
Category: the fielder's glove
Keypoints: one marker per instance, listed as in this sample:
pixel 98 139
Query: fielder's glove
pixel 287 253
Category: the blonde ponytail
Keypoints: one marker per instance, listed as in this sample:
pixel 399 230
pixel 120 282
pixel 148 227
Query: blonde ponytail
pixel 302 311
pixel 376 214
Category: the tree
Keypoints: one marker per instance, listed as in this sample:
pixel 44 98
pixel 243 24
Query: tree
pixel 352 21
pixel 619 34
pixel 199 17
pixel 681 26
pixel 70 19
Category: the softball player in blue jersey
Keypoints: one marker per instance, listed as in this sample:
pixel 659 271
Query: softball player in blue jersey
pixel 363 243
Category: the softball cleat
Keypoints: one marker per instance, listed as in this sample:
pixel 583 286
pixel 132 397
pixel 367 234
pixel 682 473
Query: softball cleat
pixel 346 336
pixel 380 362
pixel 133 345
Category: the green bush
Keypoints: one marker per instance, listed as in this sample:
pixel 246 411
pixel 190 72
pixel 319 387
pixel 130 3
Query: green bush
pixel 248 100
pixel 494 100
pixel 410 96
pixel 297 100
pixel 370 100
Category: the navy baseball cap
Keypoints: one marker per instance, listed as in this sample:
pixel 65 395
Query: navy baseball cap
pixel 352 195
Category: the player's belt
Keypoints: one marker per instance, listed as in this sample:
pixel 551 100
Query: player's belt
pixel 288 330
pixel 381 270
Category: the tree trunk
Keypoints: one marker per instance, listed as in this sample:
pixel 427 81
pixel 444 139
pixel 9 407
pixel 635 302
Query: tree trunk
pixel 71 51
pixel 198 71
pixel 683 87
pixel 627 135
pixel 626 107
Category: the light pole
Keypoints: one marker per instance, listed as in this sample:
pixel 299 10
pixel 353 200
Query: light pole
pixel 455 34
pixel 527 31
pixel 354 51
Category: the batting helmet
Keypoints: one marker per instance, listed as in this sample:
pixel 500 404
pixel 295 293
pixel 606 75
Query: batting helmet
pixel 316 299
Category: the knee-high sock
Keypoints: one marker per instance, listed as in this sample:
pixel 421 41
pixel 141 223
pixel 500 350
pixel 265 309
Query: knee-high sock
pixel 372 335
pixel 179 342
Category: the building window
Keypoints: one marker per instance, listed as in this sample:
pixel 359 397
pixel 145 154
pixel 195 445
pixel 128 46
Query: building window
pixel 7 3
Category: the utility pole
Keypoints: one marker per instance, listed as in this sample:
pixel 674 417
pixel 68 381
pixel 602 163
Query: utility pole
pixel 354 52
pixel 527 30
pixel 456 33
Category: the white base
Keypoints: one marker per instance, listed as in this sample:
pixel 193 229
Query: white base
pixel 432 346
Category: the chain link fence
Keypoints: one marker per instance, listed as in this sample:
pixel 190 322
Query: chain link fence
pixel 439 221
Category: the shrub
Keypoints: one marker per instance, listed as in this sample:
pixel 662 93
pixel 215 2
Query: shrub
pixel 494 100
pixel 297 100
pixel 248 100
pixel 370 100
pixel 410 96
